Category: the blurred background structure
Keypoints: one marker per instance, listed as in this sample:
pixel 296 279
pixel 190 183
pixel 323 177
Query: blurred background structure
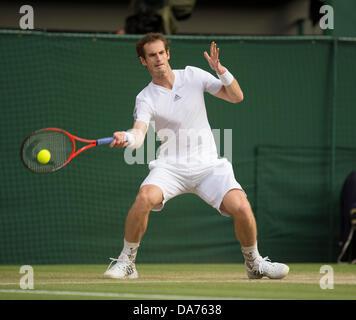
pixel 293 135
pixel 237 17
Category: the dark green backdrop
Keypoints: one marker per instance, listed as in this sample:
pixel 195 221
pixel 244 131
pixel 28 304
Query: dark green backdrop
pixel 293 145
pixel 344 18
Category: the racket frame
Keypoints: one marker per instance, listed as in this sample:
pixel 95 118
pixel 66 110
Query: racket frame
pixel 73 138
pixel 90 144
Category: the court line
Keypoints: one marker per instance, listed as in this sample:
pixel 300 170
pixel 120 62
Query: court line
pixel 118 295
pixel 126 281
pixel 115 281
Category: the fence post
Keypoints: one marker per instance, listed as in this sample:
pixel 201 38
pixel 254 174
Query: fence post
pixel 332 148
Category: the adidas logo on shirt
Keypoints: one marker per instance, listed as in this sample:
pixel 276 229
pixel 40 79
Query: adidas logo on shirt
pixel 176 98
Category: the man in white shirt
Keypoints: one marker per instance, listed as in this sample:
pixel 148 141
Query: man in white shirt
pixel 173 102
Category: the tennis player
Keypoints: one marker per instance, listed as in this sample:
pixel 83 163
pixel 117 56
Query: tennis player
pixel 173 102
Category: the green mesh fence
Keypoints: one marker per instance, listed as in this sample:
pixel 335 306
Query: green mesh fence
pixel 293 145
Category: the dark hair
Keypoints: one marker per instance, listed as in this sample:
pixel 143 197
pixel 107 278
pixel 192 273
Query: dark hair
pixel 150 37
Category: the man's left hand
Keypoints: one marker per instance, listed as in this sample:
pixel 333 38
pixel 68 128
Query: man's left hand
pixel 213 59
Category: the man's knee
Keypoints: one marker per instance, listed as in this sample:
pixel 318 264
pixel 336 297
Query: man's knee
pixel 242 210
pixel 237 205
pixel 149 197
pixel 245 206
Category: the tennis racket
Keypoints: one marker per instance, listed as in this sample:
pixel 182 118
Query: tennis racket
pixel 61 146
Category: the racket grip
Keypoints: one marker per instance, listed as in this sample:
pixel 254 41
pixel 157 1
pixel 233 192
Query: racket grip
pixel 107 140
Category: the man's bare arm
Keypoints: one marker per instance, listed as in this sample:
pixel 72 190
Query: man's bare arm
pixel 231 92
pixel 138 133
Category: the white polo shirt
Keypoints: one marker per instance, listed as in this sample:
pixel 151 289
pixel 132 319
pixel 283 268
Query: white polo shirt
pixel 179 117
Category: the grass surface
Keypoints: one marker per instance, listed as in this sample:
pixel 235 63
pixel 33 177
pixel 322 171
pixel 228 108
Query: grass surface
pixel 177 282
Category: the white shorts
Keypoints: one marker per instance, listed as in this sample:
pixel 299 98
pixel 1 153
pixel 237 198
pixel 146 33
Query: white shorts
pixel 211 183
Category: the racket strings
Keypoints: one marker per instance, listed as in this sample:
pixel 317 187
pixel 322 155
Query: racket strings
pixel 57 143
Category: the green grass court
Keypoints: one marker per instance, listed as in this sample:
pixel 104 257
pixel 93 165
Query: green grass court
pixel 176 282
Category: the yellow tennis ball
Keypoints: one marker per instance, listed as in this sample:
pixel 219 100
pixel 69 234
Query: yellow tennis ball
pixel 43 156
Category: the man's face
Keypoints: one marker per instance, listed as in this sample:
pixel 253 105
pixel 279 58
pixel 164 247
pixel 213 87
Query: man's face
pixel 156 58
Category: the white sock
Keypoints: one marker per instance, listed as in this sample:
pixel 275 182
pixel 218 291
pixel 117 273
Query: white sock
pixel 130 249
pixel 250 253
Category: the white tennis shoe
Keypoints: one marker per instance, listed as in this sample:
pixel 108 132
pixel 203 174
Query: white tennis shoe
pixel 264 267
pixel 122 269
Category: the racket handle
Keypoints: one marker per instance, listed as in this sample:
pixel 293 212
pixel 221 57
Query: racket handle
pixel 107 140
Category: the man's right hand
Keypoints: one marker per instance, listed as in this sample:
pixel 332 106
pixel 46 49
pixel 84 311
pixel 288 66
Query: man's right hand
pixel 119 140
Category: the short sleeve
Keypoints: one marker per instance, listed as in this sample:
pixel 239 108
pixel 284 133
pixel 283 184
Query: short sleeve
pixel 142 112
pixel 211 84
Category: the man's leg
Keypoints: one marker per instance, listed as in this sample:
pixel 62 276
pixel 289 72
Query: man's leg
pixel 148 197
pixel 235 204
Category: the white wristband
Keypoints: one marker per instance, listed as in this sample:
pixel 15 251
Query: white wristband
pixel 226 78
pixel 130 138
